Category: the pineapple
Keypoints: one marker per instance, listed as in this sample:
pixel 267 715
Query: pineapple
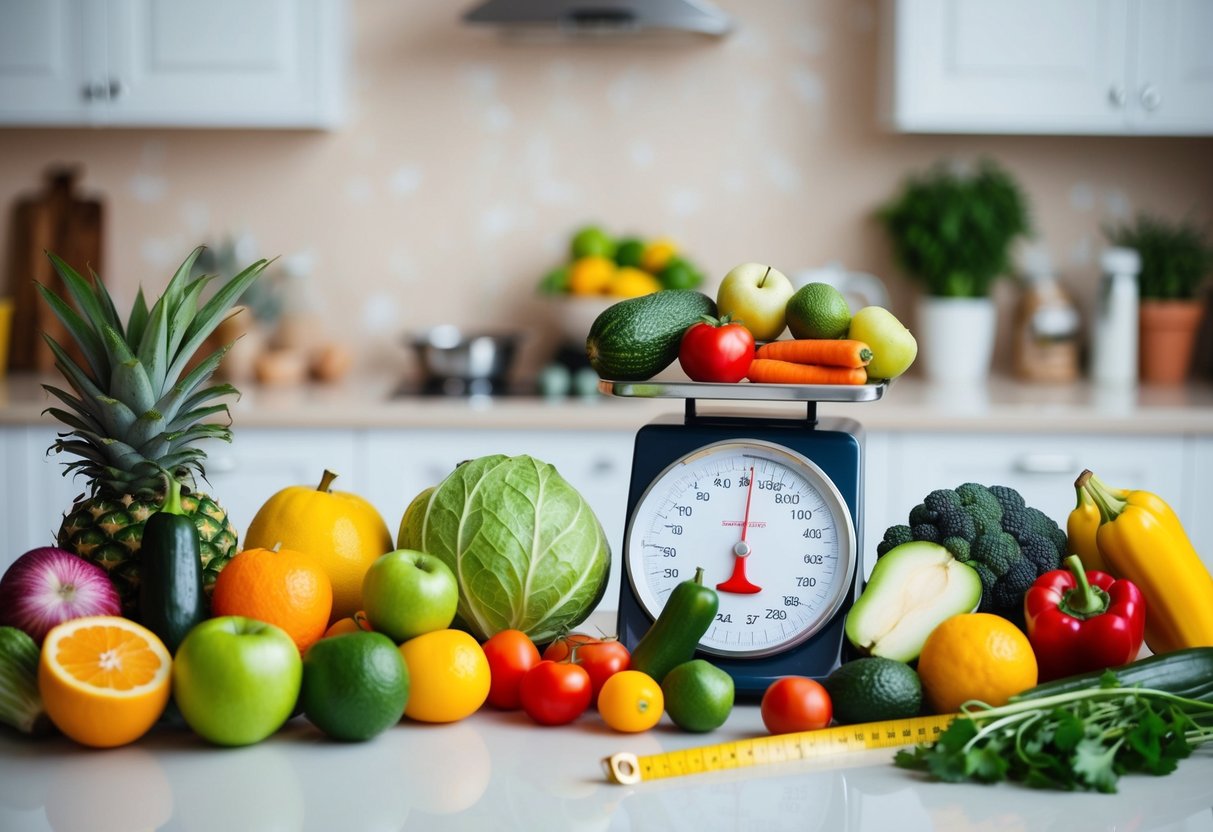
pixel 134 415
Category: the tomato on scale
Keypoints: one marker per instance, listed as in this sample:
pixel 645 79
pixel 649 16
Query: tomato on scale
pixel 716 349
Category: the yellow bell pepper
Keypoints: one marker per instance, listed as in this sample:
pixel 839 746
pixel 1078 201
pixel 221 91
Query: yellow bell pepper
pixel 1141 539
pixel 1082 525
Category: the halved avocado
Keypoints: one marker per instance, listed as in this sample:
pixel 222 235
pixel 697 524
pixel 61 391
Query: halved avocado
pixel 913 588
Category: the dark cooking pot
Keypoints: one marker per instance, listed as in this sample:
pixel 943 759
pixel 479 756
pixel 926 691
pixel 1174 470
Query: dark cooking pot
pixel 450 357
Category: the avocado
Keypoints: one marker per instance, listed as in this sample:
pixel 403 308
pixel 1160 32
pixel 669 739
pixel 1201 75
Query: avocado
pixel 873 689
pixel 913 588
pixel 635 339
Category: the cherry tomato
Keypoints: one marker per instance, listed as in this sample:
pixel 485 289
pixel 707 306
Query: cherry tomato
pixel 716 350
pixel 796 703
pixel 554 693
pixel 631 701
pixel 601 657
pixel 511 654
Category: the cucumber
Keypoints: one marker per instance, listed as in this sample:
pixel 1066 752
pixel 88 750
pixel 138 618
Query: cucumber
pixel 636 339
pixel 674 636
pixel 1187 673
pixel 171 595
pixel 20 702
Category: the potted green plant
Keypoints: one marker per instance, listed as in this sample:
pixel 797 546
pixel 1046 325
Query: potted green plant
pixel 1176 258
pixel 952 231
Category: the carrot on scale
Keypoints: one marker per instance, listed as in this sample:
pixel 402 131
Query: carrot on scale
pixel 829 352
pixel 773 371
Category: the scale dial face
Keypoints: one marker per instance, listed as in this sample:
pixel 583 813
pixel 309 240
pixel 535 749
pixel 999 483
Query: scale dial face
pixel 770 530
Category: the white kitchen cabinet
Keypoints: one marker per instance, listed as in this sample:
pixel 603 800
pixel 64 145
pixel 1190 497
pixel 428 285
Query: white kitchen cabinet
pixel 171 63
pixel 401 464
pixel 1041 467
pixel 1038 66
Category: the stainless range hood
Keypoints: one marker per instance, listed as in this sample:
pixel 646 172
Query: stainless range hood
pixel 603 17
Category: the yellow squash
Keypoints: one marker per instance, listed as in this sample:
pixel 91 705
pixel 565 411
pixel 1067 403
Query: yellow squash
pixel 1140 538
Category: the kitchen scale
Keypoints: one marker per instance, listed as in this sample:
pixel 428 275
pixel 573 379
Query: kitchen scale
pixel 770 506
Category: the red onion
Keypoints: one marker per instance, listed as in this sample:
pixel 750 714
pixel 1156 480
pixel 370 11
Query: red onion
pixel 48 586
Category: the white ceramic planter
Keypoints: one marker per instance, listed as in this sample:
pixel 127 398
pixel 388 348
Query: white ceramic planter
pixel 956 338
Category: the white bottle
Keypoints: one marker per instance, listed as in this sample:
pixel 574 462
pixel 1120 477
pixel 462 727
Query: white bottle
pixel 1114 346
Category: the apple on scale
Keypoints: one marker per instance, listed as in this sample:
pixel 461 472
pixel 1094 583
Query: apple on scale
pixel 757 296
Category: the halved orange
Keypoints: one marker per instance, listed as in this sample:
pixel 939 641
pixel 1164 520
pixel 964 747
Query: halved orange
pixel 104 680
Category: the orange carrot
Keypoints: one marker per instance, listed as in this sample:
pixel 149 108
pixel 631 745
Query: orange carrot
pixel 832 353
pixel 771 371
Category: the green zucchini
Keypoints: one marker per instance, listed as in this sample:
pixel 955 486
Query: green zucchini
pixel 635 339
pixel 1187 673
pixel 672 639
pixel 20 702
pixel 171 595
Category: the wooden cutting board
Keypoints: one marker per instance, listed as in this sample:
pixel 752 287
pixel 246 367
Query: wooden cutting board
pixel 57 219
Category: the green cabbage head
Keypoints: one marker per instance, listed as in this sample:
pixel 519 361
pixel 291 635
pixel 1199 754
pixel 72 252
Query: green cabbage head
pixel 526 548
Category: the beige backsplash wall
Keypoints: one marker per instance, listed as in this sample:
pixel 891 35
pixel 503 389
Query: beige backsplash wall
pixel 466 161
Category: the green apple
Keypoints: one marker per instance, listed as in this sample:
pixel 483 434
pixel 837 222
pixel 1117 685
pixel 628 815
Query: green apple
pixel 893 346
pixel 236 679
pixel 756 296
pixel 407 593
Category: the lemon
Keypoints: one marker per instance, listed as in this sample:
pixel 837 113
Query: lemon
pixel 818 310
pixel 975 656
pixel 590 275
pixel 449 676
pixel 632 283
pixel 355 685
pixel 657 255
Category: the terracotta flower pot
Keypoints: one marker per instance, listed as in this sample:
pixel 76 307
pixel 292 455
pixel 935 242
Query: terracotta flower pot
pixel 1168 336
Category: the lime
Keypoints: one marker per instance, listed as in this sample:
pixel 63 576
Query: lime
pixel 818 310
pixel 698 695
pixel 555 282
pixel 592 241
pixel 679 274
pixel 629 252
pixel 355 685
pixel 873 689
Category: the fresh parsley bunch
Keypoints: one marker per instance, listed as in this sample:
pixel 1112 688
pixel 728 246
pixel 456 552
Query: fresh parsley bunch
pixel 1079 740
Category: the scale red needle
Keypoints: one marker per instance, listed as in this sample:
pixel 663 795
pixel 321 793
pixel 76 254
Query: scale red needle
pixel 738 583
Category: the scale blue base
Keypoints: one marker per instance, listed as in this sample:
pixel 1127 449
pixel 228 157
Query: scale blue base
pixel 834 444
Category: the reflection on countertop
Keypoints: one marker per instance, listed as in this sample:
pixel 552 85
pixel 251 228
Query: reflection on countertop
pixel 909 404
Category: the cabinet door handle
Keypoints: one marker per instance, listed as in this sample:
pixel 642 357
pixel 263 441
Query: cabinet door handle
pixel 1151 98
pixel 1116 96
pixel 95 91
pixel 115 88
pixel 1045 464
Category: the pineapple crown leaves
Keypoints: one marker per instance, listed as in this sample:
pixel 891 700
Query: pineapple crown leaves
pixel 133 414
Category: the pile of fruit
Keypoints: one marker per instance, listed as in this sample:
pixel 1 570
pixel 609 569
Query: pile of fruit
pixel 147 598
pixel 718 340
pixel 600 264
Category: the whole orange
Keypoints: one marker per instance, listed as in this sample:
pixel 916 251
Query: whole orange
pixel 343 531
pixel 449 676
pixel 285 587
pixel 975 656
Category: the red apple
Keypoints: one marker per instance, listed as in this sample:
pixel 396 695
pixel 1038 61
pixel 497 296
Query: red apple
pixel 48 586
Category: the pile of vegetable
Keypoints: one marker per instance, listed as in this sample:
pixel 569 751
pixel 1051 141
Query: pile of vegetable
pixel 991 529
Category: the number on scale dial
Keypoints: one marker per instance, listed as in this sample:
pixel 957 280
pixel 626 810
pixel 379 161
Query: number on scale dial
pixel 771 531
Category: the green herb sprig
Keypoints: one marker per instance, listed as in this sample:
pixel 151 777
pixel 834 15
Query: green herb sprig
pixel 1079 740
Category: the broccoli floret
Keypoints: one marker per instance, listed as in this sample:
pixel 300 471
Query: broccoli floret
pixel 1061 542
pixel 1008 498
pixel 981 505
pixel 942 500
pixel 1009 591
pixel 926 531
pixel 998 551
pixel 959 547
pixel 1040 551
pixel 988 581
pixel 894 536
pixel 920 514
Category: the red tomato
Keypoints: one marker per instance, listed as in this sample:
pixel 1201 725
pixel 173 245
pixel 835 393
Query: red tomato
pixel 795 703
pixel 601 658
pixel 511 654
pixel 554 693
pixel 716 350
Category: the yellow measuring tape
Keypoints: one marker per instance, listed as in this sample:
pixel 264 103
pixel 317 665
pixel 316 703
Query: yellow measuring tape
pixel 628 769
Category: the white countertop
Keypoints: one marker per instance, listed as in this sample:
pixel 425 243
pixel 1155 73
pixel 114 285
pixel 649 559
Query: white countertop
pixel 908 404
pixel 497 771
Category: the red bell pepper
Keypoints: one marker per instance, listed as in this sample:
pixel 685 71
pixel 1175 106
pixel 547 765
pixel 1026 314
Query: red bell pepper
pixel 1079 621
